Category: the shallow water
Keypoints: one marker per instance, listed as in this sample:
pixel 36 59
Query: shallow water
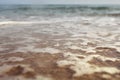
pixel 83 35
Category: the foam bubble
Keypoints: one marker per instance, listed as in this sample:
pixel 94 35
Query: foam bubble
pixel 37 50
pixel 81 66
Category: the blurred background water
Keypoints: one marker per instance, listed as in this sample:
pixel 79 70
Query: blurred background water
pixel 48 12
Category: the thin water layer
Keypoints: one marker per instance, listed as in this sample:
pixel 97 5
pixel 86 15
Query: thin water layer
pixel 71 47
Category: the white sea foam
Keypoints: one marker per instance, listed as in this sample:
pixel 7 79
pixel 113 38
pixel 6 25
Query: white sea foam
pixel 12 59
pixel 37 50
pixel 81 66
pixel 56 20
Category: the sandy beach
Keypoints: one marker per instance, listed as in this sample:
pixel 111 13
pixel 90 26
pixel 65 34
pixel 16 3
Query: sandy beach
pixel 77 48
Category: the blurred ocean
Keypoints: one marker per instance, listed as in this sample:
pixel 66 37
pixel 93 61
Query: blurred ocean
pixel 56 12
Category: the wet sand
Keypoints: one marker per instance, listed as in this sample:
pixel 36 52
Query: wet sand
pixel 59 51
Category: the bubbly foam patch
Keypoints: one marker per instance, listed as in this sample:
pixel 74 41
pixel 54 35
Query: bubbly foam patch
pixel 43 78
pixel 36 22
pixel 74 47
pixel 81 66
pixel 22 22
pixel 37 50
pixel 12 59
pixel 87 49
